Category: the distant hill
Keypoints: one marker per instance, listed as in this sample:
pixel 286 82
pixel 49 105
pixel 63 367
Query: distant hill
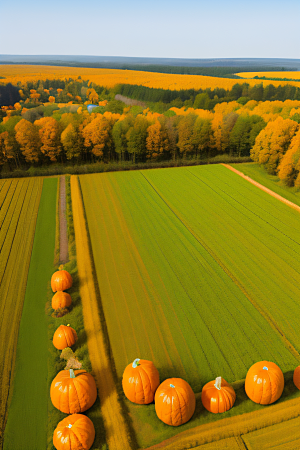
pixel 109 61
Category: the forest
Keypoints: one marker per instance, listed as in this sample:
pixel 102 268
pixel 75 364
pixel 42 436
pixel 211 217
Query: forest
pixel 50 121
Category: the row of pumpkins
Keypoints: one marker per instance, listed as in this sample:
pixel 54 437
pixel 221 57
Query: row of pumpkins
pixel 71 391
pixel 74 391
pixel 175 400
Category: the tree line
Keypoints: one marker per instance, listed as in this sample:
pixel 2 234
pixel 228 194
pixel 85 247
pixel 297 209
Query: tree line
pixel 37 133
pixel 209 97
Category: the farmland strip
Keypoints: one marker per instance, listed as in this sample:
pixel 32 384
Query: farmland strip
pixel 12 289
pixel 263 188
pixel 233 426
pixel 258 307
pixel 117 433
pixel 27 414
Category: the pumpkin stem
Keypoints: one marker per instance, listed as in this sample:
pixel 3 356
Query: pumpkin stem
pixel 135 363
pixel 68 325
pixel 61 267
pixel 72 374
pixel 218 383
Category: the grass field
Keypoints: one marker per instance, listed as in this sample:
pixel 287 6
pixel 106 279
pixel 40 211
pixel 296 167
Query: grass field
pixel 167 296
pixel 26 427
pixel 19 202
pixel 259 174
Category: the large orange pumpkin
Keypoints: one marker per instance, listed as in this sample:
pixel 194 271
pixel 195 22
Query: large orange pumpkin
pixel 73 391
pixel 140 381
pixel 218 396
pixel 296 377
pixel 61 300
pixel 61 280
pixel 175 402
pixel 264 382
pixel 75 432
pixel 64 336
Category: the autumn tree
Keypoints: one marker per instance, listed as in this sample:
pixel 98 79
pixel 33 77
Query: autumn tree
pixel 71 142
pixel 203 139
pixel 289 167
pixel 154 141
pixel 98 137
pixel 185 129
pixel 49 133
pixel 136 137
pixel 272 143
pixel 119 133
pixel 27 135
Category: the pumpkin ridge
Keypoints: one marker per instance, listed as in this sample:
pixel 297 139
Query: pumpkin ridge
pixel 77 395
pixel 142 385
pixel 226 397
pixel 184 403
pixel 66 337
pixel 144 371
pixel 75 435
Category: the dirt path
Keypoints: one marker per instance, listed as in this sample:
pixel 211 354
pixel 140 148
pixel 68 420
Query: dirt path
pixel 63 230
pixel 117 433
pixel 263 188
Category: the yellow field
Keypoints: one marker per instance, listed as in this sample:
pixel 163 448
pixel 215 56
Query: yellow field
pixel 110 77
pixel 275 422
pixel 117 434
pixel 292 75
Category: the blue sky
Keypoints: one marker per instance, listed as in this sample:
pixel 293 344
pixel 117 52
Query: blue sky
pixel 174 29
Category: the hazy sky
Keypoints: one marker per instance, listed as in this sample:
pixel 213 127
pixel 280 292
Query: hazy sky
pixel 165 28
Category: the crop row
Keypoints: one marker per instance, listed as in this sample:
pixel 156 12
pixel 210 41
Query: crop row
pixel 252 233
pixel 16 236
pixel 165 297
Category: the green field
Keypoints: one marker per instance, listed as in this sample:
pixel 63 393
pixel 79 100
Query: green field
pixel 19 203
pixel 196 268
pixel 259 174
pixel 26 427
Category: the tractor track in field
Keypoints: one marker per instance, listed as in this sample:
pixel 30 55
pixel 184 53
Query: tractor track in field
pixel 263 188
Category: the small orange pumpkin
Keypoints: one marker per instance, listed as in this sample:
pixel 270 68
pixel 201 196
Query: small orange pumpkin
pixel 61 280
pixel 61 300
pixel 73 391
pixel 218 396
pixel 175 402
pixel 264 382
pixel 64 336
pixel 296 377
pixel 75 432
pixel 140 381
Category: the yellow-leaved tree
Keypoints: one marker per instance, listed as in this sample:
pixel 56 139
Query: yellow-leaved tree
pixel 272 143
pixel 49 133
pixel 289 167
pixel 27 135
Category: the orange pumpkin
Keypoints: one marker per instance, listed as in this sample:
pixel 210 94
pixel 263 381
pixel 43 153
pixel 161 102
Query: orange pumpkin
pixel 175 402
pixel 64 336
pixel 140 381
pixel 61 300
pixel 264 382
pixel 296 377
pixel 75 432
pixel 73 391
pixel 218 396
pixel 61 280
